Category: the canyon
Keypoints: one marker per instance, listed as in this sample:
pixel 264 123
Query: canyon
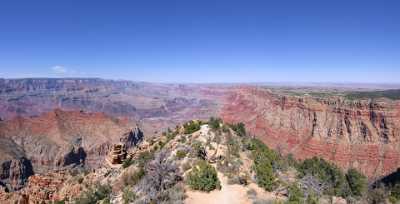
pixel 51 124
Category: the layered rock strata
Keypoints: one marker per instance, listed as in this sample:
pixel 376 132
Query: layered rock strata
pixel 360 134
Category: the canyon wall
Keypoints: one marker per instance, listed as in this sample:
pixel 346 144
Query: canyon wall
pixel 360 134
pixel 57 140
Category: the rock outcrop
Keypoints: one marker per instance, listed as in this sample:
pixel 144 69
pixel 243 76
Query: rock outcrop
pixel 15 168
pixel 118 154
pixel 132 138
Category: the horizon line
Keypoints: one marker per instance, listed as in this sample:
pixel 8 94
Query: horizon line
pixel 243 82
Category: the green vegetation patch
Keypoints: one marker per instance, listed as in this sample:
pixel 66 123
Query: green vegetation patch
pixel 393 94
pixel 357 182
pixel 327 173
pixel 264 158
pixel 96 193
pixel 191 127
pixel 214 123
pixel 239 128
pixel 128 196
pixel 180 154
pixel 203 177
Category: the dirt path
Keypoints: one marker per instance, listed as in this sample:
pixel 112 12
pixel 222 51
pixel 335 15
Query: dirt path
pixel 229 194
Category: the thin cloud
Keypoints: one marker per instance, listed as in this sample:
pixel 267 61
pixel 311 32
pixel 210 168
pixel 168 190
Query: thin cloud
pixel 58 69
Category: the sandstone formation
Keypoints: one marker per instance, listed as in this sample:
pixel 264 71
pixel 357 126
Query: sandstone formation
pixel 118 154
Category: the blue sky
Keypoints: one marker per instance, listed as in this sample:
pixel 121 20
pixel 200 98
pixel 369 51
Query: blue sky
pixel 202 41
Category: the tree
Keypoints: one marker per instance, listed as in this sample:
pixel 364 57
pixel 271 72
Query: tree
pixel 329 174
pixel 161 175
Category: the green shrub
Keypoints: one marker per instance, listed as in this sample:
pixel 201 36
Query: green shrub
pixel 161 144
pixel 256 146
pixel 395 193
pixel 312 199
pixel 264 174
pixel 171 135
pixel 357 182
pixel 128 195
pixel 203 177
pixel 296 195
pixel 264 159
pixel 239 128
pixel 127 162
pixel 292 161
pixel 214 123
pixel 180 154
pixel 93 195
pixel 191 127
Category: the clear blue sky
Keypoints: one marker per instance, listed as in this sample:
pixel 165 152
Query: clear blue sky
pixel 202 41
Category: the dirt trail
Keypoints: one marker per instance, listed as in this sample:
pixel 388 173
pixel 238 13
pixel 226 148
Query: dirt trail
pixel 229 194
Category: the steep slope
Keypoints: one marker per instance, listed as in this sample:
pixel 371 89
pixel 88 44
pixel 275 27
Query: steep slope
pixel 360 134
pixel 62 138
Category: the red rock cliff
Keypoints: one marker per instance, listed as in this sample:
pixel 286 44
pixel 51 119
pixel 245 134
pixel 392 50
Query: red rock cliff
pixel 361 134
